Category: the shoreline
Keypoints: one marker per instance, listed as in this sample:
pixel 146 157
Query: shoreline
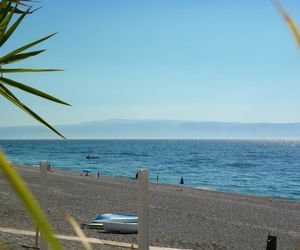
pixel 259 169
pixel 94 174
pixel 189 218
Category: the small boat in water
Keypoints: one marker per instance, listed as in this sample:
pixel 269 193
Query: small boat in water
pixel 120 227
pixel 92 157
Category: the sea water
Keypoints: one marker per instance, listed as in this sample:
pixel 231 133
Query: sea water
pixel 255 167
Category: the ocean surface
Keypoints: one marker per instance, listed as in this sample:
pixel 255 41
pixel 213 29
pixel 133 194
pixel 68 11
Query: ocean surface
pixel 255 167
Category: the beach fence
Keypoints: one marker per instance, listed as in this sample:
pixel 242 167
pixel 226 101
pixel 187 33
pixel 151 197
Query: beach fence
pixel 43 197
pixel 143 210
pixel 142 205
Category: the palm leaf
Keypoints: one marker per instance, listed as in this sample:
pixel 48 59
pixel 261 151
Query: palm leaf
pixel 21 1
pixel 5 6
pixel 20 70
pixel 25 47
pixel 7 92
pixel 31 90
pixel 7 9
pixel 78 231
pixel 19 11
pixel 290 22
pixel 29 201
pixel 4 23
pixel 12 28
pixel 21 56
pixel 9 96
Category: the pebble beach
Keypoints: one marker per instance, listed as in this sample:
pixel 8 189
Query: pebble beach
pixel 180 217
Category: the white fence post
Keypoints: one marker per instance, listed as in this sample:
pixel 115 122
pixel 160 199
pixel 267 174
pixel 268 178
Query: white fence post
pixel 43 194
pixel 143 212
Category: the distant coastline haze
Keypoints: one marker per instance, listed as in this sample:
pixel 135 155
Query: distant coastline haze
pixel 158 129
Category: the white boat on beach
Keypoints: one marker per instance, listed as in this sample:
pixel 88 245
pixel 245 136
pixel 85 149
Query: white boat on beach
pixel 121 227
pixel 126 218
pixel 94 226
pixel 97 223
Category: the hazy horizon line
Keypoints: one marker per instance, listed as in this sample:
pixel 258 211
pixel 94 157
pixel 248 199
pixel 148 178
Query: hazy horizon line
pixel 153 120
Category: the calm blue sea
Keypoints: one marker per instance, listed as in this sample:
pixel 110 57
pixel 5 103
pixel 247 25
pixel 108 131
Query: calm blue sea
pixel 265 168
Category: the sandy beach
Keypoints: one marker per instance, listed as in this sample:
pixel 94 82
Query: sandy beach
pixel 179 217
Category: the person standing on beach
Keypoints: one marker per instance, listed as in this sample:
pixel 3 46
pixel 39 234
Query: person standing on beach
pixel 98 174
pixel 181 181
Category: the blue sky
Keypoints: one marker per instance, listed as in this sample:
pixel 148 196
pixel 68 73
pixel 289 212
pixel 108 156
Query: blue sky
pixel 162 59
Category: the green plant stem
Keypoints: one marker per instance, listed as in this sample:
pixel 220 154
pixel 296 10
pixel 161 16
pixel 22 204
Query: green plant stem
pixel 29 201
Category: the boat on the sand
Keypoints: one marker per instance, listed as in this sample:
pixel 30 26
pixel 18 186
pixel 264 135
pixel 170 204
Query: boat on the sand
pixel 120 227
pixel 92 226
pixel 116 217
pixel 97 223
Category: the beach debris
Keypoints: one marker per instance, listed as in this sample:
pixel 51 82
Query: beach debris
pixel 29 247
pixel 271 242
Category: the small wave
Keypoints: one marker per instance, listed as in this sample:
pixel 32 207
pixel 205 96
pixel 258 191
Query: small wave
pixel 241 164
pixel 207 188
pixel 133 154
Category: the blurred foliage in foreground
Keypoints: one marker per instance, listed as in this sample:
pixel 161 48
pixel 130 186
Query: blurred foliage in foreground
pixel 12 12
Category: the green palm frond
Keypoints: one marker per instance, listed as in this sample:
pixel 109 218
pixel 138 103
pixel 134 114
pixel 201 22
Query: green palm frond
pixel 30 90
pixel 33 208
pixel 5 35
pixel 25 47
pixel 20 70
pixel 8 8
pixel 4 23
pixel 21 56
pixel 13 99
pixel 5 7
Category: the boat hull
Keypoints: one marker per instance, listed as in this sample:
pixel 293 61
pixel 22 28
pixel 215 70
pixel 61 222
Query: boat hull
pixel 116 217
pixel 120 227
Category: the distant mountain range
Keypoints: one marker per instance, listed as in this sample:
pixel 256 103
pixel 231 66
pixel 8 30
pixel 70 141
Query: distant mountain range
pixel 158 129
